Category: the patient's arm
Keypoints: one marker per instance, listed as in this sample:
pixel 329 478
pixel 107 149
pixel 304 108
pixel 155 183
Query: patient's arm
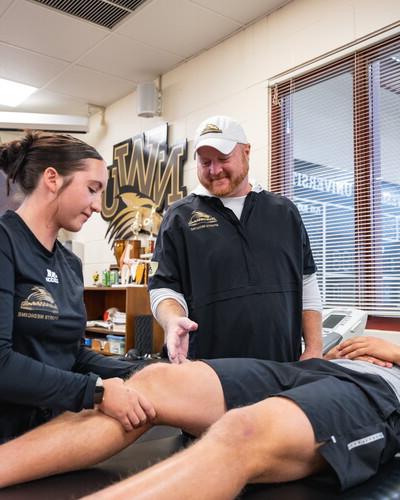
pixel 188 396
pixel 335 353
pixel 372 349
pixel 332 353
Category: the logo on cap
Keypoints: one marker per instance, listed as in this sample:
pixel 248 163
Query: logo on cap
pixel 211 129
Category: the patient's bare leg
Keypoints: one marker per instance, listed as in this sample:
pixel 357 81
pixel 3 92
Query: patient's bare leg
pixel 187 396
pixel 271 441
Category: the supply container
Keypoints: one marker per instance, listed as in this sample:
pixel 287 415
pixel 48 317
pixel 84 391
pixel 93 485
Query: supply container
pixel 116 344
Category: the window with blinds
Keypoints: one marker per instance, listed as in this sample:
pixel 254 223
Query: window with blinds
pixel 335 149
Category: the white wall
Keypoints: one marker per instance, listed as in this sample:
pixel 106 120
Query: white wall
pixel 232 78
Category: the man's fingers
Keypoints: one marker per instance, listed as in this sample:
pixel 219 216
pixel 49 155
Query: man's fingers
pixel 193 326
pixel 184 326
pixel 177 353
pixel 171 351
pixel 173 358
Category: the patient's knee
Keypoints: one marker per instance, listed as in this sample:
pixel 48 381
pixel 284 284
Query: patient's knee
pixel 154 374
pixel 236 429
pixel 243 433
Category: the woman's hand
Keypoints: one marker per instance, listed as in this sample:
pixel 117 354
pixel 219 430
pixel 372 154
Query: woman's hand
pixel 126 405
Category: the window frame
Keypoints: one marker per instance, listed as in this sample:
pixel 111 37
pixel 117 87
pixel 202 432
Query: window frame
pixel 367 194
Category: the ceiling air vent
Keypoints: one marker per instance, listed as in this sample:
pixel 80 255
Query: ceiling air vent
pixel 106 13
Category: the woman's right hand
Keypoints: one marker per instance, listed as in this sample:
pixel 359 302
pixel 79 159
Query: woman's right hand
pixel 126 405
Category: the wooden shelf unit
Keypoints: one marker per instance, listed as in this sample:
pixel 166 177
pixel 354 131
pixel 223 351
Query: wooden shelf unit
pixel 134 300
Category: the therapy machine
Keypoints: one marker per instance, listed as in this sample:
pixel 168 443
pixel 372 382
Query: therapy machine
pixel 341 323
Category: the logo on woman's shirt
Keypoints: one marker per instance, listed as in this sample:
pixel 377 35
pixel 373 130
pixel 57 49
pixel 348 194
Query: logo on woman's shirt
pixel 38 305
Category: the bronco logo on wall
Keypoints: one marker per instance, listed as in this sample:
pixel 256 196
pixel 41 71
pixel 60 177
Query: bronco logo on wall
pixel 145 178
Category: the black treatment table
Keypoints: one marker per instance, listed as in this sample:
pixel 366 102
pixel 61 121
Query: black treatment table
pixel 161 442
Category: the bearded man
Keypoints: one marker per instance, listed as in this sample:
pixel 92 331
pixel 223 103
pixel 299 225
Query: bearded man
pixel 233 264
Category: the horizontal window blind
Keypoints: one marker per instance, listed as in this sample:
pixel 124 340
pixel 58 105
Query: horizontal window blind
pixel 335 151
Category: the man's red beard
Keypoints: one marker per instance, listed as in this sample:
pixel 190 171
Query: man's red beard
pixel 234 179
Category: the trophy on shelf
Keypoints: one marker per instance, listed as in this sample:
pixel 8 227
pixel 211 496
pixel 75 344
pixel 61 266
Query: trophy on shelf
pixel 96 278
pixel 118 247
pixel 131 253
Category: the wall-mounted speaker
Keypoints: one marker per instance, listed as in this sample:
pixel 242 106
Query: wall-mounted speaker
pixel 148 100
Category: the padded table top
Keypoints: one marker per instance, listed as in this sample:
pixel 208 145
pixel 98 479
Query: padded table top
pixel 161 442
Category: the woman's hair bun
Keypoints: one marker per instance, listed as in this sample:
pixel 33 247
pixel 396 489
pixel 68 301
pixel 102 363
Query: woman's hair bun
pixel 4 163
pixel 14 153
pixel 25 159
pixel 27 141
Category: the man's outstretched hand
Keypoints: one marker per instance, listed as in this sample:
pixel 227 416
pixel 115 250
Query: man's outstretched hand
pixel 178 338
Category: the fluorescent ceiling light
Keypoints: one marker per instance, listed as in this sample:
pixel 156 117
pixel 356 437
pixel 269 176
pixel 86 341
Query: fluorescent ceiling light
pixel 13 93
pixel 10 120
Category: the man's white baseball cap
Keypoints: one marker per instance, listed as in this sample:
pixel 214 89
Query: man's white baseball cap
pixel 220 132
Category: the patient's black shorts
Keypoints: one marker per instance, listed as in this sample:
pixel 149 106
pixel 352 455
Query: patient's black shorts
pixel 355 415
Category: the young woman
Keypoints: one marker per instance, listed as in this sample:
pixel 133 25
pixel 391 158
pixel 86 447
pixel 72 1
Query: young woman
pixel 44 369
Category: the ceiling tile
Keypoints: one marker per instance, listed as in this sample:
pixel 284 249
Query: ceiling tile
pixel 23 66
pixel 96 88
pixel 127 58
pixel 43 30
pixel 76 62
pixel 173 26
pixel 242 12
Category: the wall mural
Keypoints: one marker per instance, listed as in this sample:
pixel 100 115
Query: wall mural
pixel 145 178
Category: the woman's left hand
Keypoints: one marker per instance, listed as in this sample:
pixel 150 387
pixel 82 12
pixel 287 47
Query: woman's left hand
pixel 126 405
